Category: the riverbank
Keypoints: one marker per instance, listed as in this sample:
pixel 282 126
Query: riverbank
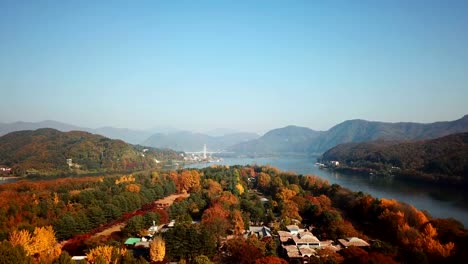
pixel 440 201
pixel 405 175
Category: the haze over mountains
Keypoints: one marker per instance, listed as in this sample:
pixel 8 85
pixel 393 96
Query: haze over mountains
pixel 308 141
pixel 159 137
pixel 189 141
pixel 286 140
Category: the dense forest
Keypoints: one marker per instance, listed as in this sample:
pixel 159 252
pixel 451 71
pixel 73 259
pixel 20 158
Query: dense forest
pixel 47 221
pixel 438 160
pixel 45 151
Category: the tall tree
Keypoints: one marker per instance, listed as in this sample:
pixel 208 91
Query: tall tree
pixel 157 249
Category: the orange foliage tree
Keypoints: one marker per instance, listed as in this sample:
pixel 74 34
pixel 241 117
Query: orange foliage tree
pixel 263 180
pixel 135 188
pixel 215 219
pixel 212 189
pixel 237 222
pixel 270 260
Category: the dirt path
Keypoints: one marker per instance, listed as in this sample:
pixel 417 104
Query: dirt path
pixel 118 227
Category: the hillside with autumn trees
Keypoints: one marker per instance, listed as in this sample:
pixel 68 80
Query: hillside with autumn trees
pixel 211 222
pixel 441 160
pixel 46 151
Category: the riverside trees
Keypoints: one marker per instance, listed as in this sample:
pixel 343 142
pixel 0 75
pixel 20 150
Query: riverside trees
pixel 225 201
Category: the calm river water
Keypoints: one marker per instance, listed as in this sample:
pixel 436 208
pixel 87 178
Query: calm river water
pixel 440 202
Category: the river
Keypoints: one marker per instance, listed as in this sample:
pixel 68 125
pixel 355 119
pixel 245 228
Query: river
pixel 439 201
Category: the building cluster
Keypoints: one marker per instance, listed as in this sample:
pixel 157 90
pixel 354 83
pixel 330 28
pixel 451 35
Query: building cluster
pixel 144 241
pixel 301 244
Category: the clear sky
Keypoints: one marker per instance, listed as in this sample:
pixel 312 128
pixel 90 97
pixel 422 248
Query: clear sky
pixel 249 65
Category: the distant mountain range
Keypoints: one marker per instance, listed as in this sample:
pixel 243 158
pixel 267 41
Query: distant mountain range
pixel 443 159
pixel 125 134
pixel 284 140
pixel 158 137
pixel 287 140
pixel 306 141
pixel 362 130
pixel 46 150
pixel 189 141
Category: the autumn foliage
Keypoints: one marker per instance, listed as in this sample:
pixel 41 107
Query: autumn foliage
pixel 157 249
pixel 105 254
pixel 41 243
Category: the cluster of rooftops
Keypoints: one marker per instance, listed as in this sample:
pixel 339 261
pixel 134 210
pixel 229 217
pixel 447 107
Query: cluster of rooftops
pixel 300 243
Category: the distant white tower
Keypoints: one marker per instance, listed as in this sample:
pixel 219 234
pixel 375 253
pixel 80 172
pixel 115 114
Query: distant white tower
pixel 204 151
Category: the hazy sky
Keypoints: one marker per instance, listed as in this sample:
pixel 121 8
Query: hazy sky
pixel 250 65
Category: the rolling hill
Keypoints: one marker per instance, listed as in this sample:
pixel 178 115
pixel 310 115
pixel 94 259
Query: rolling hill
pixel 125 134
pixel 290 139
pixel 45 151
pixel 442 159
pixel 362 130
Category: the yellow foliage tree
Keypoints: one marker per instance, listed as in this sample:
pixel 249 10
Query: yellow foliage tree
pixel 124 179
pixel 285 194
pixel 21 238
pixel 105 253
pixel 240 188
pixel 42 243
pixel 157 249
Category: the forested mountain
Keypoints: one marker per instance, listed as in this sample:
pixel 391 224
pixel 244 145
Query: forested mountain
pixel 6 128
pixel 45 151
pixel 188 141
pixel 290 139
pixel 362 130
pixel 293 139
pixel 125 134
pixel 444 158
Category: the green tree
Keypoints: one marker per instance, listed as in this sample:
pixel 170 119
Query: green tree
pixel 64 258
pixel 13 254
pixel 134 226
pixel 202 259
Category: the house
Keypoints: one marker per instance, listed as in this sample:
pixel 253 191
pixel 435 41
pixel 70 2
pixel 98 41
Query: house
pixel 131 241
pixel 153 229
pixel 301 245
pixel 293 229
pixel 353 242
pixel 259 231
pixel 335 163
pixel 306 238
pixel 142 244
pixel 79 259
pixel 284 236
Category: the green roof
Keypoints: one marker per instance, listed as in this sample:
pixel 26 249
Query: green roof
pixel 132 240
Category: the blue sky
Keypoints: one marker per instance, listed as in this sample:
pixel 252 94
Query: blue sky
pixel 249 65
